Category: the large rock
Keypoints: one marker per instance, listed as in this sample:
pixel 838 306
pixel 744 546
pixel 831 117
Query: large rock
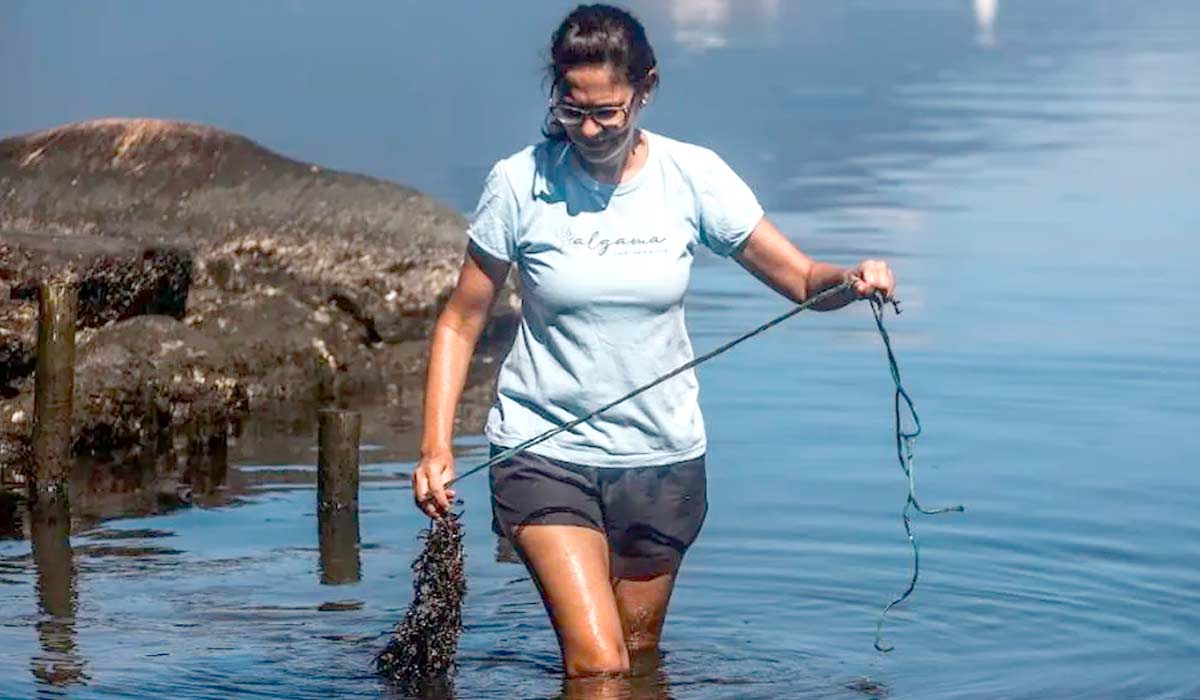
pixel 306 285
pixel 251 215
pixel 195 182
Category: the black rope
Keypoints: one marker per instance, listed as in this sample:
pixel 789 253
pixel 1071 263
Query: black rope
pixel 829 293
pixel 904 442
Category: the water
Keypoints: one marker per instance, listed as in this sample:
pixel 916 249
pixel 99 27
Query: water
pixel 1028 168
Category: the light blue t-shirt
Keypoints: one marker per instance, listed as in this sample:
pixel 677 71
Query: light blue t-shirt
pixel 603 270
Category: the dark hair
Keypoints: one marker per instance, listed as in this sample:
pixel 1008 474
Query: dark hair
pixel 600 34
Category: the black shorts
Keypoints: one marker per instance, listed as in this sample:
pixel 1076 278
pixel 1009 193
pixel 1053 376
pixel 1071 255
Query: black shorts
pixel 651 515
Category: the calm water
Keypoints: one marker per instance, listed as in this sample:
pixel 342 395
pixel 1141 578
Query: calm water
pixel 1029 168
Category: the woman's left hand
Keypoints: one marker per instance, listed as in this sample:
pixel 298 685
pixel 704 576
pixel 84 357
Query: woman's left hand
pixel 871 276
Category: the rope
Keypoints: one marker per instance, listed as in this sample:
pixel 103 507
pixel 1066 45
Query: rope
pixel 904 442
pixel 904 439
pixel 509 452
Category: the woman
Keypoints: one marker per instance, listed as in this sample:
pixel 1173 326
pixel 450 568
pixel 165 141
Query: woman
pixel 601 220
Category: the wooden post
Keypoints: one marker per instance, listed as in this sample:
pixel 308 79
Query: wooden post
pixel 337 533
pixel 337 460
pixel 58 303
pixel 50 539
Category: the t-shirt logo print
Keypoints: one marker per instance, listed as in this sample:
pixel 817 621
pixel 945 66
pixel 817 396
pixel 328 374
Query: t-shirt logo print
pixel 592 240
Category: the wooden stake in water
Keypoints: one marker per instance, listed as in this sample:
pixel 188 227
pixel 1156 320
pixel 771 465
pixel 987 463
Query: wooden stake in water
pixel 58 663
pixel 337 462
pixel 58 304
pixel 337 533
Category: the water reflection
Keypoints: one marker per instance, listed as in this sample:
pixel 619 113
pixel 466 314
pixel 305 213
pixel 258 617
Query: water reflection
pixel 10 518
pixel 155 480
pixel 704 24
pixel 439 690
pixel 506 553
pixel 50 538
pixel 646 680
pixel 339 540
pixel 985 20
pixel 699 24
pixel 207 465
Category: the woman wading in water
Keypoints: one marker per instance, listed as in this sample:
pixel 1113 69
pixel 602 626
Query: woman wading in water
pixel 601 220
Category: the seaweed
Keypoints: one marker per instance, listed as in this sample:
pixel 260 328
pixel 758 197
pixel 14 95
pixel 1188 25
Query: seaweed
pixel 420 654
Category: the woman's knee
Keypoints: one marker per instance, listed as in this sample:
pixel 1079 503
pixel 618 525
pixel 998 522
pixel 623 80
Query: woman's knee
pixel 641 642
pixel 597 659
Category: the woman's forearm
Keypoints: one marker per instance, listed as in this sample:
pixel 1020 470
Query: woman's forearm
pixel 822 276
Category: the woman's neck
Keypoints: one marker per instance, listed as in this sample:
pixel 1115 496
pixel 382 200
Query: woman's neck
pixel 625 169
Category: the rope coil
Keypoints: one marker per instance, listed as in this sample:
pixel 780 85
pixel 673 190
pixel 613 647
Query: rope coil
pixel 904 443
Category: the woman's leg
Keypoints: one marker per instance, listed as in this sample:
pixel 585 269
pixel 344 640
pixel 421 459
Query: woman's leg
pixel 652 515
pixel 642 606
pixel 570 564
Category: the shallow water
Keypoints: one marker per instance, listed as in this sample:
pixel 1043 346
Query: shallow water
pixel 1032 180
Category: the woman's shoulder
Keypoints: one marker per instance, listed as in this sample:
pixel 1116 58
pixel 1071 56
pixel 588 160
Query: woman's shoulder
pixel 532 164
pixel 690 160
pixel 532 157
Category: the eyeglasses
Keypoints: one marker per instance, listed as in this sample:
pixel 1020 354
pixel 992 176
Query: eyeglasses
pixel 607 116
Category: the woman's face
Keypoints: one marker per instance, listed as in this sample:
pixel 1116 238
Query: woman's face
pixel 597 85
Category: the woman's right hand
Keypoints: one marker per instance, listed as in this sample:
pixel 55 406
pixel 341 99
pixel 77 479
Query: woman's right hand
pixel 429 483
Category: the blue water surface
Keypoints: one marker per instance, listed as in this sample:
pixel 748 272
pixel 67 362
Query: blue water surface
pixel 1030 170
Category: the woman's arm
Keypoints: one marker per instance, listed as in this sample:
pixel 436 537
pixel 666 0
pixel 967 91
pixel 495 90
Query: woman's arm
pixel 454 337
pixel 772 258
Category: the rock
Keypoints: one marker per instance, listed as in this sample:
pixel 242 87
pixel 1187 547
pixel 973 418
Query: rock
pixel 149 377
pixel 16 357
pixel 116 279
pixel 251 215
pixel 295 284
pixel 15 454
pixel 282 350
pixel 186 180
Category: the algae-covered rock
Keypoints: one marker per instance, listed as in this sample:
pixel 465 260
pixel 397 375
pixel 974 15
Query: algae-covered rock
pixel 217 277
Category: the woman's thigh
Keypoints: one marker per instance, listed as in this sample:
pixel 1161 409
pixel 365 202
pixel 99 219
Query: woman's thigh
pixel 570 565
pixel 652 516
